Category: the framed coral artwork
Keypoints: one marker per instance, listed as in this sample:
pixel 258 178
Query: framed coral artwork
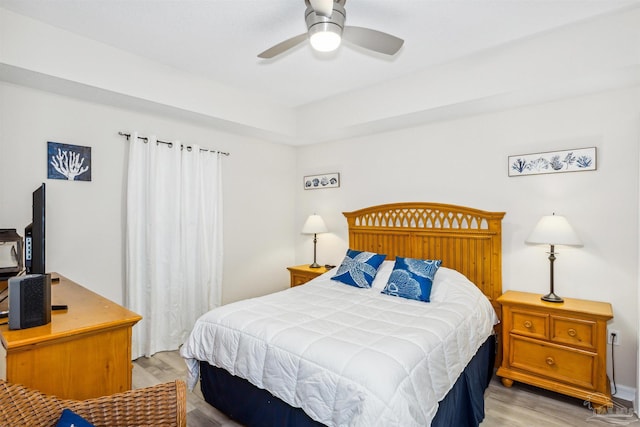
pixel 576 160
pixel 70 162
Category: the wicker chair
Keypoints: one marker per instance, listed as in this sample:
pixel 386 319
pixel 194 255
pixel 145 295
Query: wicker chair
pixel 159 405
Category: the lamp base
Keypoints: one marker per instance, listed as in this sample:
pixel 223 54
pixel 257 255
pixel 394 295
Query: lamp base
pixel 551 297
pixel 315 265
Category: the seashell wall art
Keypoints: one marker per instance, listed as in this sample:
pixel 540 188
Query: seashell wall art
pixel 326 180
pixel 576 160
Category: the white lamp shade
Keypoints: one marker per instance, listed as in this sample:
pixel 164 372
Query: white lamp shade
pixel 554 230
pixel 314 225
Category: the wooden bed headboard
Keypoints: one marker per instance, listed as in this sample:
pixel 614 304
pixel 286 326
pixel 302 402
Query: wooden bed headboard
pixel 465 239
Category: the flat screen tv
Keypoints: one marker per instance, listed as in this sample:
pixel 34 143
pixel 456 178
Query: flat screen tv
pixel 35 234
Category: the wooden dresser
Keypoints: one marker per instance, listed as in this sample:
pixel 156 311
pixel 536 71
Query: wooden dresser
pixel 84 352
pixel 556 346
pixel 301 274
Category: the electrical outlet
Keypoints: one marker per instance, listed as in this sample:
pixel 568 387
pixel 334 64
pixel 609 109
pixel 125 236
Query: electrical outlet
pixel 613 337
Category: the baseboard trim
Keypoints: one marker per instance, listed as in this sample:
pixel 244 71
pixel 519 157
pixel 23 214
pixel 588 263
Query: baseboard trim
pixel 626 393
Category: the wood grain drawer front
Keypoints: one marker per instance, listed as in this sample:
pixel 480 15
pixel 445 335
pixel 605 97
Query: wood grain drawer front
pixel 568 365
pixel 300 279
pixel 581 333
pixel 301 274
pixel 530 323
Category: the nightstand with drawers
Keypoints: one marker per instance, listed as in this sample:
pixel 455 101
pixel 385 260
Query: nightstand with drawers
pixel 557 346
pixel 301 274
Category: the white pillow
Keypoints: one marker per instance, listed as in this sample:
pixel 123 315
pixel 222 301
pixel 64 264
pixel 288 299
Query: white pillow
pixel 447 282
pixel 382 276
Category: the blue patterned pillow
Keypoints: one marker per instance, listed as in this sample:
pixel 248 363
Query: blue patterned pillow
pixel 359 268
pixel 71 419
pixel 412 278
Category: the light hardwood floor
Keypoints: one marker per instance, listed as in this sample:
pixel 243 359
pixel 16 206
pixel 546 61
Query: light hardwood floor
pixel 519 406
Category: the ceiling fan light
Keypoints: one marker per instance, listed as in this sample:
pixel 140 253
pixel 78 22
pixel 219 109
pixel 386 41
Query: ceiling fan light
pixel 325 32
pixel 325 41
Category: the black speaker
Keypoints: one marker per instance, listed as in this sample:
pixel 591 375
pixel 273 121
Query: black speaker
pixel 29 301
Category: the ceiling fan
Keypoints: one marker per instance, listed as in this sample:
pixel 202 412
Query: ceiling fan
pixel 325 30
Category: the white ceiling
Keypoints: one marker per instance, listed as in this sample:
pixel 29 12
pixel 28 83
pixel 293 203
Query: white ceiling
pixel 219 39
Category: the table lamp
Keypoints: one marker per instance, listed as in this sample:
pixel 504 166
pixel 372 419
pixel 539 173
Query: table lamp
pixel 314 225
pixel 553 230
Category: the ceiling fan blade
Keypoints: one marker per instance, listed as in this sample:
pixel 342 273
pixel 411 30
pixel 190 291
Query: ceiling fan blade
pixel 322 7
pixel 372 39
pixel 283 46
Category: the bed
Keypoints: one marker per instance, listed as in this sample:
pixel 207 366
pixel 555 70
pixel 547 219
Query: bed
pixel 325 353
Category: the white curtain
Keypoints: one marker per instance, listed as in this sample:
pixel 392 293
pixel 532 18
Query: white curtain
pixel 173 241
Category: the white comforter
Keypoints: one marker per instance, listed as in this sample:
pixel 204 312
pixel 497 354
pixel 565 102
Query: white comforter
pixel 349 356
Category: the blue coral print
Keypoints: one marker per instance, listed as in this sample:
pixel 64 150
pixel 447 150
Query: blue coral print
pixel 69 162
pixel 359 268
pixel 561 161
pixel 412 278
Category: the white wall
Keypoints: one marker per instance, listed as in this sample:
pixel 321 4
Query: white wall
pixel 85 226
pixel 465 162
pixel 28 44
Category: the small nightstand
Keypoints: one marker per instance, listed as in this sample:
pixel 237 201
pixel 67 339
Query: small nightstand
pixel 301 274
pixel 557 346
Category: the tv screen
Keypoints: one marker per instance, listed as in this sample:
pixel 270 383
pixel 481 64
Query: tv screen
pixel 35 234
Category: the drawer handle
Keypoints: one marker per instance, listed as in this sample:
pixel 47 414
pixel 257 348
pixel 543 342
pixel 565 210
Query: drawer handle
pixel 550 361
pixel 528 324
pixel 572 332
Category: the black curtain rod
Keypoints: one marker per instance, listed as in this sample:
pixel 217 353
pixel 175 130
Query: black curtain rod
pixel 170 144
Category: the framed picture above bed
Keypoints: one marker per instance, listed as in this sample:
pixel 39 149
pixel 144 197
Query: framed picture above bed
pixel 574 160
pixel 317 182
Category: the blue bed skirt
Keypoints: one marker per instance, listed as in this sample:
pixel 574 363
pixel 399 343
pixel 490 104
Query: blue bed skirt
pixel 254 407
